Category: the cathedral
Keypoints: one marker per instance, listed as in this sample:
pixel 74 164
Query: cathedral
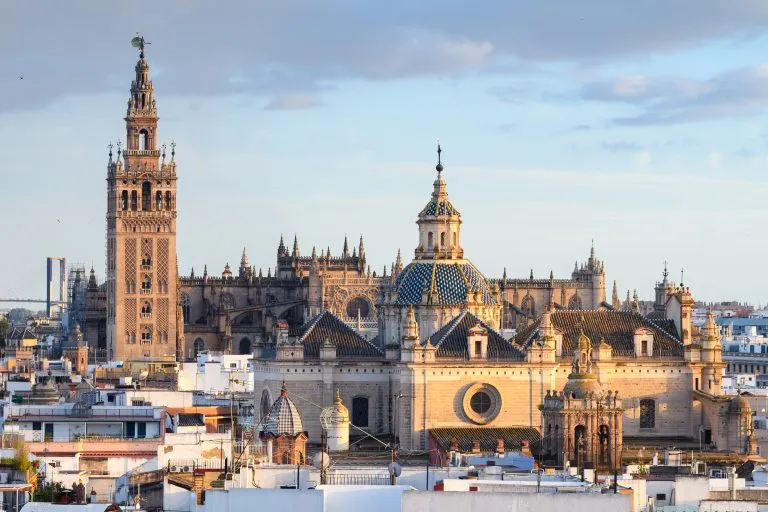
pixel 426 347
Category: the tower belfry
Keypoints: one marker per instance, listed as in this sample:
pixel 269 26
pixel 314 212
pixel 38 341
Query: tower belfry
pixel 141 233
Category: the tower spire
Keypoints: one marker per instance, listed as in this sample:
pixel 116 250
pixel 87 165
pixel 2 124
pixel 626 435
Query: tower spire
pixel 295 253
pixel 615 302
pixel 345 250
pixel 439 166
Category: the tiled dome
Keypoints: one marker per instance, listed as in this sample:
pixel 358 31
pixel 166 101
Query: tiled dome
pixel 283 418
pixel 451 282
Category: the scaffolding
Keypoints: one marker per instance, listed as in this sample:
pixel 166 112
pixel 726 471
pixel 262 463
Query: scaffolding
pixel 77 284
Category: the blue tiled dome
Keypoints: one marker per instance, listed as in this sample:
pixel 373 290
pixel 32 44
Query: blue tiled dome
pixel 452 281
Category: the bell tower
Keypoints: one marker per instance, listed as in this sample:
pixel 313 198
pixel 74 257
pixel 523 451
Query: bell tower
pixel 141 233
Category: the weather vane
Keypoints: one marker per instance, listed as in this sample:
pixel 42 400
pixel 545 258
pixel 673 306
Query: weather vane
pixel 140 43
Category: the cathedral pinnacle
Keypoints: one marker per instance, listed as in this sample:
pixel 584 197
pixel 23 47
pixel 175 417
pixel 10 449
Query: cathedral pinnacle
pixel 295 253
pixel 361 248
pixel 244 259
pixel 345 250
pixel 615 297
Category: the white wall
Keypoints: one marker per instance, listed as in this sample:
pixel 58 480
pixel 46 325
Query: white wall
pixel 414 501
pixel 238 500
pixel 193 446
pixel 178 499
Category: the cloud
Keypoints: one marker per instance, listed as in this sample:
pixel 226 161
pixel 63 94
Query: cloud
pixel 674 100
pixel 265 48
pixel 715 159
pixel 620 146
pixel 294 102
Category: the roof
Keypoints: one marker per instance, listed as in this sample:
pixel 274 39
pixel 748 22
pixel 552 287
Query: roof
pixel 283 418
pixel 38 506
pixel 451 339
pixel 488 437
pixel 617 328
pixel 191 420
pixel 451 282
pixel 327 326
pixel 741 322
pixel 439 206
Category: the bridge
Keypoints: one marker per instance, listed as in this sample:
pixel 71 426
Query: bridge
pixel 41 301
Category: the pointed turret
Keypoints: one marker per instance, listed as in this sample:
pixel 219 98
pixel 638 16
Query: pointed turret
pixel 281 249
pixel 361 249
pixel 92 285
pixel 314 253
pixel 615 302
pixel 398 264
pixel 295 252
pixel 192 272
pixel 244 259
pixel 244 271
pixel 411 330
pixel 345 251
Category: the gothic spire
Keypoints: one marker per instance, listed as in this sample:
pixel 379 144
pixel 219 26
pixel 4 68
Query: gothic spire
pixel 615 297
pixel 361 248
pixel 314 253
pixel 398 264
pixel 295 253
pixel 281 247
pixel 244 259
pixel 345 251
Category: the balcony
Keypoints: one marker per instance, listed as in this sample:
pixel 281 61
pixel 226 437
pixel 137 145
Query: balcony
pixel 146 291
pixel 146 315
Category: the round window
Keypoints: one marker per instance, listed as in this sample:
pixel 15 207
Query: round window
pixel 480 402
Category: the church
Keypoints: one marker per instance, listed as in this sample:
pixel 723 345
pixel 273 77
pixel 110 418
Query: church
pixel 425 348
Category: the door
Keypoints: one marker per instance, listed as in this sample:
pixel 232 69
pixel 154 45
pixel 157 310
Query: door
pixel 49 431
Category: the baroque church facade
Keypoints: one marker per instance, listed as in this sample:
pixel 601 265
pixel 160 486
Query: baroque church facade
pixel 431 345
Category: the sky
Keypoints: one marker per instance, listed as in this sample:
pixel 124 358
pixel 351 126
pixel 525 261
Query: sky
pixel 639 125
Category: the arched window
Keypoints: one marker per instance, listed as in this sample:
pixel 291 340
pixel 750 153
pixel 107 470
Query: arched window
pixel 143 139
pixel 266 404
pixel 356 306
pixel 647 413
pixel 134 200
pixel 198 346
pixel 226 301
pixel 146 335
pixel 430 240
pixel 286 457
pixel 146 284
pixel 146 309
pixel 575 302
pixel 245 346
pixel 158 200
pixel 528 306
pixel 168 205
pixel 146 261
pixel 185 301
pixel 360 411
pixel 146 196
pixel 124 200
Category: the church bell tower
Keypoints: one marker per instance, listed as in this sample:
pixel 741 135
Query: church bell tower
pixel 141 233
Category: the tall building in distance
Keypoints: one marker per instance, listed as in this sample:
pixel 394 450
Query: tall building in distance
pixel 141 234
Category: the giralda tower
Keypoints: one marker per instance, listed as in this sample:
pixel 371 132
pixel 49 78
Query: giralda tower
pixel 142 275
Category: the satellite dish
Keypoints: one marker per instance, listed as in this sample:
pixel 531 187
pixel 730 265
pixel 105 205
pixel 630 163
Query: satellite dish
pixel 321 460
pixel 137 42
pixel 395 469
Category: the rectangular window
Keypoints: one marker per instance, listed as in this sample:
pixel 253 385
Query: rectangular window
pixel 644 347
pixel 661 497
pixel 130 429
pixel 36 425
pixel 138 402
pixel 142 430
pixel 478 348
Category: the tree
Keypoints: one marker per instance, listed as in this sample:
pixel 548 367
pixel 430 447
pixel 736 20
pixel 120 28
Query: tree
pixel 3 330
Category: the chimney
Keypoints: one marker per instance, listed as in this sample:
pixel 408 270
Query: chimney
pixel 526 448
pixel 500 446
pixel 475 446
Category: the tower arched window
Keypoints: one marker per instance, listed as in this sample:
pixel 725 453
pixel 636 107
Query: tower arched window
pixel 442 240
pixel 430 240
pixel 146 285
pixel 124 200
pixel 146 310
pixel 198 346
pixel 159 200
pixel 454 239
pixel 168 201
pixel 146 196
pixel 134 200
pixel 146 335
pixel 146 261
pixel 143 136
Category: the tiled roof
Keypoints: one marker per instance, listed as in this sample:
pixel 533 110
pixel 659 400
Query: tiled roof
pixel 191 420
pixel 665 325
pixel 450 281
pixel 283 418
pixel 488 437
pixel 617 328
pixel 451 339
pixel 327 326
pixel 439 206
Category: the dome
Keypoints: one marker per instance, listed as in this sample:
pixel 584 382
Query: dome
pixel 283 418
pixel 739 404
pixel 340 411
pixel 453 283
pixel 581 387
pixel 439 204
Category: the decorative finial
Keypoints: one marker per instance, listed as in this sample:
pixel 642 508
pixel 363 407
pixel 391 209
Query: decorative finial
pixel 140 43
pixel 439 165
pixel 110 146
pixel 173 151
pixel 163 146
pixel 682 274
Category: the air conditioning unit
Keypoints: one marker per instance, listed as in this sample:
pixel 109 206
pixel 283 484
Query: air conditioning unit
pixel 700 468
pixel 174 469
pixel 186 469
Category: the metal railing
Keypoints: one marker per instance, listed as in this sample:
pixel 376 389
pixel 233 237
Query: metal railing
pixel 363 479
pixel 95 412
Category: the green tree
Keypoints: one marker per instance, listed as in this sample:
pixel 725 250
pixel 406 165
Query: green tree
pixel 3 330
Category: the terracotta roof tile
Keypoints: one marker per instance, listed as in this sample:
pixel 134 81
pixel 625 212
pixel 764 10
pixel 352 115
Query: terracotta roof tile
pixel 348 343
pixel 488 437
pixel 451 339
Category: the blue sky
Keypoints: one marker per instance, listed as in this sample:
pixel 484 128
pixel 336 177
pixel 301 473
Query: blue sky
pixel 641 125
